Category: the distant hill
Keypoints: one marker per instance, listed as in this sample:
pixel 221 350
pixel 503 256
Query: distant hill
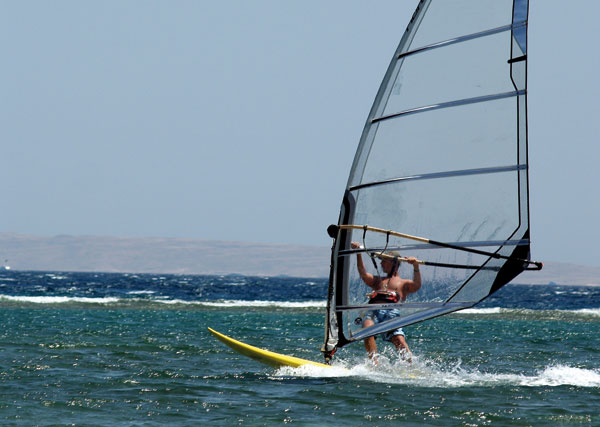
pixel 161 255
pixel 195 256
pixel 561 274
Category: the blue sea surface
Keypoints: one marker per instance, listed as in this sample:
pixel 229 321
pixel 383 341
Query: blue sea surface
pixel 126 349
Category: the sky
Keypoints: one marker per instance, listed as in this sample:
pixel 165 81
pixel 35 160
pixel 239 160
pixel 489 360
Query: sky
pixel 239 120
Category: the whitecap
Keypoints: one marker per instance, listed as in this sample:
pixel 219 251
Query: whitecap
pixel 258 303
pixel 595 312
pixel 57 299
pixel 490 310
pixel 175 301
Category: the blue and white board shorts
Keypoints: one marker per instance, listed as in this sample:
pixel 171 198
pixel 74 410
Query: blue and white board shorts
pixel 378 316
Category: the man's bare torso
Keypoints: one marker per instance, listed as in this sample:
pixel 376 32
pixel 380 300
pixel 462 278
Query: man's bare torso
pixel 394 283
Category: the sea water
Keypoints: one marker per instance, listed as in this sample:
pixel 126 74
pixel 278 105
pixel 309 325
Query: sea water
pixel 125 349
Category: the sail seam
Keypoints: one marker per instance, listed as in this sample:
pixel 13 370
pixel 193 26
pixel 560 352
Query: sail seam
pixel 456 103
pixel 464 38
pixel 465 172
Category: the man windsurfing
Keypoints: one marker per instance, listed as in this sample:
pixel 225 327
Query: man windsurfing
pixel 389 289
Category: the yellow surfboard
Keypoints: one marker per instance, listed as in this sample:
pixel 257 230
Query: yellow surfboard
pixel 270 358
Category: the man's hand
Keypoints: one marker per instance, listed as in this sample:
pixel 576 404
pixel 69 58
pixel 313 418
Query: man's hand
pixel 413 261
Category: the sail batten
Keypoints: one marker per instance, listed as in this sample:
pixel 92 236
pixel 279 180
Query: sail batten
pixel 443 154
pixel 449 174
pixel 449 104
pixel 465 38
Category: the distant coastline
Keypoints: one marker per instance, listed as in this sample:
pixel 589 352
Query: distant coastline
pixel 161 255
pixel 197 256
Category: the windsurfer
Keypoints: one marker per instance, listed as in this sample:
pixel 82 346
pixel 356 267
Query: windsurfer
pixel 388 289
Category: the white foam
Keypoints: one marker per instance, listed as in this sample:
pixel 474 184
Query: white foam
pixel 57 299
pixel 565 375
pixel 594 312
pixel 163 300
pixel 174 301
pixel 425 373
pixel 258 303
pixel 314 371
pixel 550 376
pixel 242 303
pixel 491 310
pixel 235 284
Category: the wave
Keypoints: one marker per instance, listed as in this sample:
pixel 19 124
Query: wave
pixel 491 310
pixel 55 277
pixel 150 298
pixel 282 304
pixel 586 312
pixel 424 374
pixel 594 312
pixel 58 299
pixel 158 300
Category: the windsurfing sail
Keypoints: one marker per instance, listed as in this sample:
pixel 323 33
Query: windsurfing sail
pixel 441 170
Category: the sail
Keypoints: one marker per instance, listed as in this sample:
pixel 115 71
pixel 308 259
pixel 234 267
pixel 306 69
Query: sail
pixel 443 155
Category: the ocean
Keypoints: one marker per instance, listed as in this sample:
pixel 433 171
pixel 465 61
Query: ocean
pixel 127 349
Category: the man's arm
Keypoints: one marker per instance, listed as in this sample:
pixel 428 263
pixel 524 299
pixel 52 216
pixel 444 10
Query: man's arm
pixel 366 277
pixel 413 285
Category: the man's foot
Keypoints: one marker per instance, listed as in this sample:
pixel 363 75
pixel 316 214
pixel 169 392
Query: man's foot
pixel 373 357
pixel 406 355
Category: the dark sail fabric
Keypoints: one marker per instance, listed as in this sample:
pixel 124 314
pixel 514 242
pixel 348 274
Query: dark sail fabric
pixel 443 155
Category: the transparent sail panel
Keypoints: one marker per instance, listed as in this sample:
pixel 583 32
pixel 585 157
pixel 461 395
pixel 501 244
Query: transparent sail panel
pixel 439 284
pixel 462 208
pixel 353 319
pixel 470 69
pixel 519 74
pixel 481 135
pixel 446 20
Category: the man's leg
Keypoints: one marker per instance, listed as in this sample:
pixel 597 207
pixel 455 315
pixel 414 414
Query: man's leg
pixel 400 343
pixel 370 345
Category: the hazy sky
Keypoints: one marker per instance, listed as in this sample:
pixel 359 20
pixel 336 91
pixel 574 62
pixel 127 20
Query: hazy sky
pixel 238 120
